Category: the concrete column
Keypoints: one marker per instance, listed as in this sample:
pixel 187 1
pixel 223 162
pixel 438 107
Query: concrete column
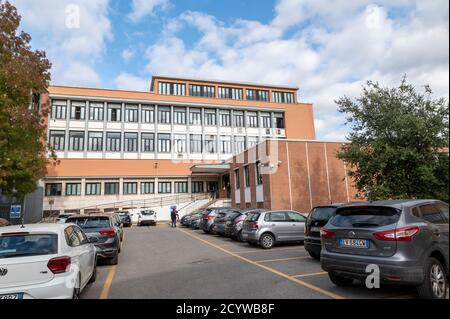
pixel 156 186
pixel 189 185
pixel 120 186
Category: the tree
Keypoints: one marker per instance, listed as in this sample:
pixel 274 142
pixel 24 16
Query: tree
pixel 24 76
pixel 398 144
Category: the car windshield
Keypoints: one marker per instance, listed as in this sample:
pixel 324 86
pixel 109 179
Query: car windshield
pixel 233 216
pixel 90 222
pixel 253 217
pixel 147 212
pixel 322 213
pixel 365 217
pixel 28 245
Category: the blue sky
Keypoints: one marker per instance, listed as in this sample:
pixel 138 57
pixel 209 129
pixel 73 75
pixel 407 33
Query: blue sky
pixel 327 49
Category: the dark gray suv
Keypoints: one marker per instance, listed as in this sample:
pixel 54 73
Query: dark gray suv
pixel 407 240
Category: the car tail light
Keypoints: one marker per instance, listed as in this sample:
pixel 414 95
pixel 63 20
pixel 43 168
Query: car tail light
pixel 210 217
pixel 306 231
pixel 108 232
pixel 255 226
pixel 59 265
pixel 400 234
pixel 326 233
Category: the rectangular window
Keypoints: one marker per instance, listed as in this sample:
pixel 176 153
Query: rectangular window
pixel 239 119
pixel 225 145
pixel 259 178
pixel 59 110
pixel 247 176
pixel 179 115
pixel 211 144
pixel 179 143
pixel 237 177
pixel 210 117
pixel 73 189
pixel 197 187
pixel 76 141
pixel 112 188
pixel 113 142
pixel 53 189
pixel 252 119
pixel 252 141
pixel 239 144
pixel 265 120
pixel 167 88
pixel 225 118
pixel 279 119
pixel 164 115
pixel 131 114
pixel 181 187
pixel 114 113
pixel 148 114
pixel 164 143
pixel 230 93
pixel 130 188
pixel 77 110
pixel 257 95
pixel 57 140
pixel 131 142
pixel 95 141
pixel 96 111
pixel 165 187
pixel 93 189
pixel 147 188
pixel 196 143
pixel 202 90
pixel 283 97
pixel 195 117
pixel 148 142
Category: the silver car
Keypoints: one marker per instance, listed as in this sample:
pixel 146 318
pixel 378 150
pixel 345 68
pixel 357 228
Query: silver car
pixel 269 228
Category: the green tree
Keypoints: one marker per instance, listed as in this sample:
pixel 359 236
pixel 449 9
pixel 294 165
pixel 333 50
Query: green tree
pixel 398 144
pixel 24 75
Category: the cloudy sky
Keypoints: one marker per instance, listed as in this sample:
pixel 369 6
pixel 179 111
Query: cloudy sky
pixel 326 48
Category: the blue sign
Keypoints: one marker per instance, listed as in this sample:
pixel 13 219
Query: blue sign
pixel 15 211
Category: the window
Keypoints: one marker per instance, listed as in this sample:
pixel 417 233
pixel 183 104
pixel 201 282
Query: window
pixel 257 95
pixel 179 143
pixel 131 142
pixel 211 144
pixel 239 144
pixel 131 113
pixel 165 187
pixel 53 189
pixel 112 188
pixel 225 118
pixel 252 119
pixel 210 117
pixel 202 90
pixel 95 141
pixel 148 142
pixel 237 177
pixel 148 114
pixel 77 110
pixel 164 115
pixel 164 143
pixel 434 214
pixel 59 110
pixel 167 88
pixel 252 141
pixel 147 188
pixel 93 188
pixel 57 140
pixel 130 188
pixel 279 119
pixel 195 117
pixel 114 113
pixel 225 144
pixel 73 189
pixel 276 217
pixel 197 187
pixel 113 143
pixel 230 93
pixel 72 238
pixel 196 143
pixel 96 111
pixel 265 120
pixel 259 178
pixel 181 187
pixel 239 119
pixel 247 176
pixel 179 115
pixel 76 140
pixel 294 217
pixel 282 97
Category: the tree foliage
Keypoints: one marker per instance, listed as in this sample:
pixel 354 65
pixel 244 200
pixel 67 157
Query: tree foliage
pixel 24 75
pixel 399 142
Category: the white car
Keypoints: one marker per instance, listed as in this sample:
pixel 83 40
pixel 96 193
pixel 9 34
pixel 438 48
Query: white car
pixel 43 261
pixel 146 217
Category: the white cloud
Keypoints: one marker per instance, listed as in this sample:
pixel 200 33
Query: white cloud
pixel 127 55
pixel 143 8
pixel 126 81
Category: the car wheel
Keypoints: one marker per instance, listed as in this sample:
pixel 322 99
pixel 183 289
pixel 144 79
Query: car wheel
pixel 94 274
pixel 339 280
pixel 267 241
pixel 77 289
pixel 114 260
pixel 435 284
pixel 314 255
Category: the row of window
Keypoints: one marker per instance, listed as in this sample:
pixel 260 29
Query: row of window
pixel 129 188
pixel 167 88
pixel 210 117
pixel 150 142
pixel 237 176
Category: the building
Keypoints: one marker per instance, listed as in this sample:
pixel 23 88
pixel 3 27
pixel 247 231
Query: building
pixel 116 146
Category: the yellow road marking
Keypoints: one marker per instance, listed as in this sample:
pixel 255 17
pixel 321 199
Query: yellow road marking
pixel 310 274
pixel 264 250
pixel 107 285
pixel 281 259
pixel 103 268
pixel 276 272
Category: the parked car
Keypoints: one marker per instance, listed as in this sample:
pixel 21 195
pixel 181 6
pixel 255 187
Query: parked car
pixel 102 231
pixel 271 227
pixel 222 218
pixel 407 240
pixel 208 216
pixel 317 218
pixel 125 218
pixel 4 222
pixel 118 225
pixel 147 217
pixel 186 219
pixel 45 261
pixel 233 228
pixel 195 221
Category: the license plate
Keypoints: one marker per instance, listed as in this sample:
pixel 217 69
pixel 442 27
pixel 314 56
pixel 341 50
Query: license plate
pixel 315 229
pixel 11 296
pixel 354 243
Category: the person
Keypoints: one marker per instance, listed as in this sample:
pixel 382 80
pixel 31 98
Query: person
pixel 174 217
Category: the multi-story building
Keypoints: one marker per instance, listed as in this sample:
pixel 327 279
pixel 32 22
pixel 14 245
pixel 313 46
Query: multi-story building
pixel 117 145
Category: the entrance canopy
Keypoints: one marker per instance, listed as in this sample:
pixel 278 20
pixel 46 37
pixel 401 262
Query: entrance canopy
pixel 210 169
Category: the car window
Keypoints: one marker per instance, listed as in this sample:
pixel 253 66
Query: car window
pixel 296 217
pixel 365 217
pixel 322 213
pixel 28 245
pixel 434 214
pixel 81 236
pixel 147 213
pixel 90 222
pixel 72 238
pixel 253 217
pixel 277 217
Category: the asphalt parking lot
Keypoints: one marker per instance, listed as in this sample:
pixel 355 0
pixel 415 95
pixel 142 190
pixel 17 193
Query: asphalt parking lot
pixel 161 262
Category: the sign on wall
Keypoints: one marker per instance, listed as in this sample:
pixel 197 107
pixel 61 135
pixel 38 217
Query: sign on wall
pixel 15 211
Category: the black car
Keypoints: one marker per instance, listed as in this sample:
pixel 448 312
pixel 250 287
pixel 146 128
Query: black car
pixel 221 220
pixel 125 218
pixel 317 218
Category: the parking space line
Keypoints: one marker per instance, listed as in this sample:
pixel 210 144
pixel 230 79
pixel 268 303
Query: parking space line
pixel 107 285
pixel 264 250
pixel 281 259
pixel 104 268
pixel 310 274
pixel 274 271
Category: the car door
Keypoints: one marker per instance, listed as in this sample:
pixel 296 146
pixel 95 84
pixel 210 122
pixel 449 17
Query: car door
pixel 278 224
pixel 75 251
pixel 87 255
pixel 296 226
